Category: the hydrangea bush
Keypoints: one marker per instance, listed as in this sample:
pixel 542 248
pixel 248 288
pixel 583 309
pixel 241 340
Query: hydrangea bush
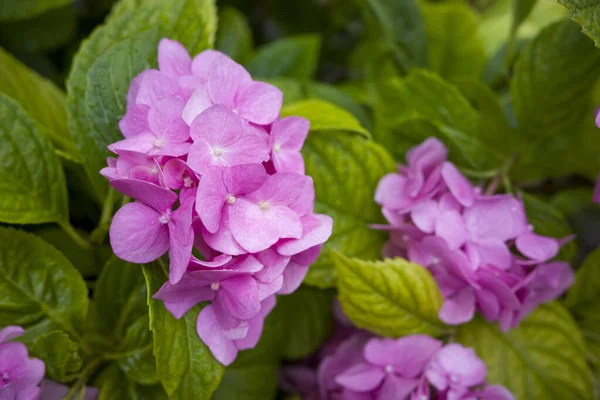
pixel 365 200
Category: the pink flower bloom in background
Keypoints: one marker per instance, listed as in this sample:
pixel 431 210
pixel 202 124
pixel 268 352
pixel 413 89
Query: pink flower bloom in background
pixel 210 165
pixel 20 375
pixel 480 248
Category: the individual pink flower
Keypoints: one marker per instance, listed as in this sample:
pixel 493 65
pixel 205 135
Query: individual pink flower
pixel 230 85
pixel 177 175
pixel 20 375
pixel 221 140
pixel 286 140
pixel 135 166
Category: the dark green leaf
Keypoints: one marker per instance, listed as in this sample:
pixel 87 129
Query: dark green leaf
pixel 401 26
pixel 294 57
pixel 587 14
pixel 41 290
pixel 40 98
pixel 184 365
pixel 454 46
pixel 389 298
pixel 234 36
pixel 113 384
pixel 346 170
pixel 32 182
pixel 59 353
pixel 544 358
pixel 21 9
pixel 135 356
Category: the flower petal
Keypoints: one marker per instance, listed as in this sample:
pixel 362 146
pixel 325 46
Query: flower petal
pixel 316 230
pixel 226 81
pixel 459 308
pixel 211 198
pixel 165 120
pixel 198 102
pixel 10 332
pixel 460 187
pixel 181 239
pixel 245 178
pixel 211 333
pixel 361 378
pixel 180 298
pixel 135 121
pixel 240 295
pixel 536 247
pixel 173 58
pixel 157 197
pixel 259 103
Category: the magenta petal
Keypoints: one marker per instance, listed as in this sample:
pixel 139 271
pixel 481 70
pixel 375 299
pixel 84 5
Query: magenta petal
pixel 495 392
pixel 459 308
pixel 157 197
pixel 451 227
pixel 137 235
pixel 178 175
pixel 293 275
pixel 408 355
pixel 250 340
pixel 397 387
pixel 211 198
pixel 536 247
pixel 425 215
pixel 135 121
pixel 274 265
pixel 142 143
pixel 211 333
pixel 154 87
pixel 240 295
pixel 10 332
pixel 204 62
pixel 254 228
pixel 361 378
pixel 259 103
pixel 201 157
pixel 218 125
pixel 216 262
pixel 247 150
pixel 499 217
pixel 179 298
pixel 225 82
pixel 280 189
pixel 245 178
pixel 492 252
pixel 181 238
pixel 290 133
pixel 317 229
pixel 391 192
pixel 165 120
pixel 198 102
pixel 222 240
pixel 266 290
pixel 173 58
pixel 460 187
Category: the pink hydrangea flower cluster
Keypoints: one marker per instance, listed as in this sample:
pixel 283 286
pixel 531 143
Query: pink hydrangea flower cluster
pixel 211 166
pixel 480 248
pixel 20 375
pixel 355 365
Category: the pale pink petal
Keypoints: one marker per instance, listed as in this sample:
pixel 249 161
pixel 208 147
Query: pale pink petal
pixel 181 238
pixel 180 298
pixel 459 308
pixel 307 257
pixel 499 217
pixel 256 130
pixel 142 143
pixel 305 202
pixel 240 295
pixel 157 197
pixel 488 304
pixel 137 234
pixel 280 189
pixel 247 150
pixel 250 340
pixel 460 187
pixel 225 82
pixel 211 333
pixel 259 103
pixel 288 161
pixel 218 125
pixel 173 58
pixel 361 378
pixel 198 102
pixel 135 121
pixel 536 247
pixel 425 215
pixel 317 229
pixel 492 252
pixel 253 227
pixel 202 157
pixel 10 332
pixel 216 262
pixel 154 87
pixel 266 290
pixel 211 198
pixel 204 62
pixel 173 149
pixel 408 355
pixel 165 120
pixel 293 275
pixel 222 240
pixel 274 265
pixel 391 192
pixel 290 133
pixel 396 387
pixel 451 227
pixel 245 178
pixel 495 392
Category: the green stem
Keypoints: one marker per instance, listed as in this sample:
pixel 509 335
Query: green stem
pixel 77 238
pixel 84 376
pixel 99 233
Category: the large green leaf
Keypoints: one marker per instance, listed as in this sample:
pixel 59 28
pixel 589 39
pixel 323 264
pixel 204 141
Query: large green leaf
pixel 59 353
pixel 324 116
pixel 135 356
pixel 392 297
pixel 40 98
pixel 113 384
pixel 400 26
pixel 41 290
pixel 587 14
pixel 346 169
pixel 583 299
pixel 544 358
pixel 454 46
pixel 551 94
pixel 422 105
pixel 32 182
pixel 184 365
pixel 234 36
pixel 115 53
pixel 294 56
pixel 21 9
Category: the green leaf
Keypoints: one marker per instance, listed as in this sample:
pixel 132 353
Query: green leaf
pixel 544 358
pixel 45 33
pixel 548 221
pixel 551 94
pixel 455 49
pixel 41 290
pixel 10 10
pixel 587 14
pixel 32 181
pixel 520 12
pixel 184 365
pixel 392 297
pixel 346 170
pixel 59 353
pixel 294 57
pixel 422 105
pixel 115 53
pixel 401 27
pixel 305 318
pixel 324 116
pixel 135 356
pixel 40 98
pixel 113 384
pixel 234 36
